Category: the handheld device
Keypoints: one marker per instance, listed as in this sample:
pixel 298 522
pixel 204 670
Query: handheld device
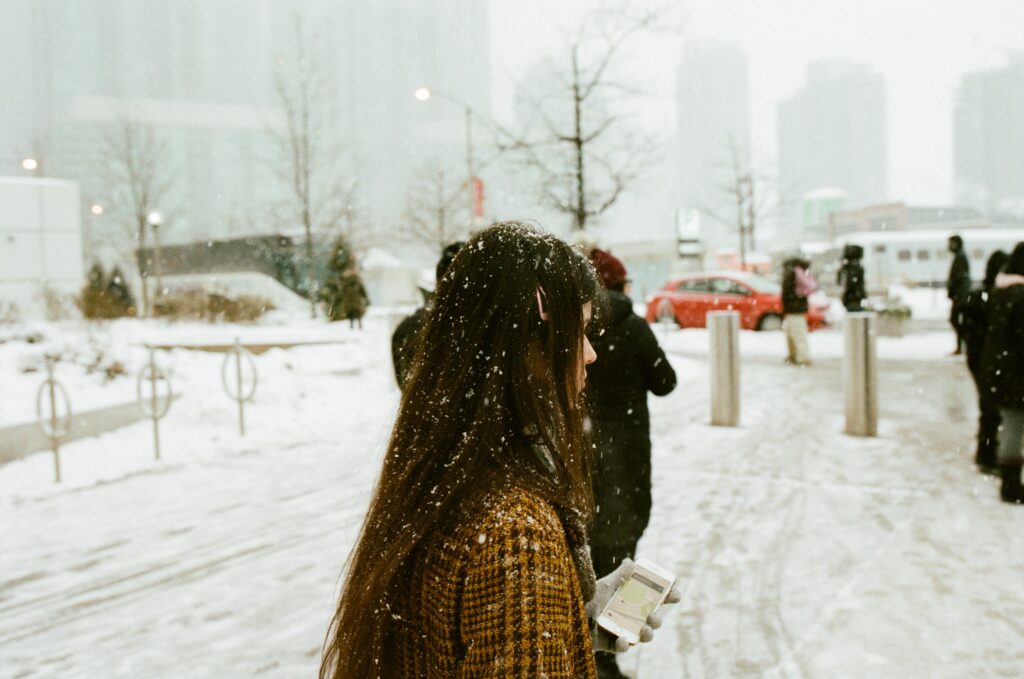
pixel 635 599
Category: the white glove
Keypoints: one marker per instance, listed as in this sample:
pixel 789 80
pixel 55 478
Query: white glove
pixel 603 592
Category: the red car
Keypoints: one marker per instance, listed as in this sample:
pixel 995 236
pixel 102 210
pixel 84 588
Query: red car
pixel 688 299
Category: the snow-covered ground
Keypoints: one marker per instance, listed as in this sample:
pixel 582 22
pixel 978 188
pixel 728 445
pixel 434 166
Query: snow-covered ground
pixel 801 552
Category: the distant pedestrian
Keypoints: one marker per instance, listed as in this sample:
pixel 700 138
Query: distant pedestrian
pixel 472 560
pixel 403 340
pixel 975 329
pixel 354 299
pixel 1002 366
pixel 958 285
pixel 851 277
pixel 630 364
pixel 797 285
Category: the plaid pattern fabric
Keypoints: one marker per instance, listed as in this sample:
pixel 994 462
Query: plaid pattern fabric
pixel 494 593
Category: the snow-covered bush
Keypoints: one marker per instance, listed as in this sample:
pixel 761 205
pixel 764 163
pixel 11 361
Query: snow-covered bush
pixel 211 307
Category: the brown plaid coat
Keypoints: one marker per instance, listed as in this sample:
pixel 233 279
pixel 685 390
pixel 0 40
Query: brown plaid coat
pixel 494 593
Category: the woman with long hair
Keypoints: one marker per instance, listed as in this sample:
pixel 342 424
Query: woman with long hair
pixel 472 558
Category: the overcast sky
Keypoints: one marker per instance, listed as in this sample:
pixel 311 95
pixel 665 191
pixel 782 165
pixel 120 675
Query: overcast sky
pixel 921 46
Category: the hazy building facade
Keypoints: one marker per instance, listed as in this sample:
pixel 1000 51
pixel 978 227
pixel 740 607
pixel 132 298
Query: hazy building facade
pixel 200 75
pixel 833 133
pixel 988 144
pixel 712 124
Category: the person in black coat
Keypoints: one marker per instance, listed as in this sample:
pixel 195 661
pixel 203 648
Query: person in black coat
pixel 1002 370
pixel 958 285
pixel 630 363
pixel 403 340
pixel 974 324
pixel 794 309
pixel 851 277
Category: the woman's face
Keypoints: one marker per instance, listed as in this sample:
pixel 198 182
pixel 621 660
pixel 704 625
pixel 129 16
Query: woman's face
pixel 589 355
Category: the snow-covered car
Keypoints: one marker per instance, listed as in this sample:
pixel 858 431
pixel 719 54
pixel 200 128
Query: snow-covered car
pixel 688 299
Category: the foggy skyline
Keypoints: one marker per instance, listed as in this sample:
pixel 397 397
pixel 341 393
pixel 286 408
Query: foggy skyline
pixel 922 49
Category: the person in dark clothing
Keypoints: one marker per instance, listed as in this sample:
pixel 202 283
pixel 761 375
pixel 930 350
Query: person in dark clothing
pixel 794 310
pixel 958 285
pixel 1002 370
pixel 975 328
pixel 851 277
pixel 403 340
pixel 630 364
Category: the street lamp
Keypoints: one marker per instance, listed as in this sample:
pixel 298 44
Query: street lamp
pixel 30 164
pixel 424 94
pixel 96 209
pixel 155 220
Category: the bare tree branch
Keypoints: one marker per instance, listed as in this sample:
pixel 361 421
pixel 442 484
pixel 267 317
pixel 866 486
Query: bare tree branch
pixel 585 154
pixel 322 189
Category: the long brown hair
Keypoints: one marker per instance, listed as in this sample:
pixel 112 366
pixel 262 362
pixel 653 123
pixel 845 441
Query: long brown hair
pixel 475 404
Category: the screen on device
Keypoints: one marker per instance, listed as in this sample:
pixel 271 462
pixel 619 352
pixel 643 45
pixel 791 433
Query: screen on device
pixel 634 601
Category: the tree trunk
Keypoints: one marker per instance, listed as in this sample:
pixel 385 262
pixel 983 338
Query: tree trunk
pixel 139 257
pixel 158 265
pixel 311 283
pixel 581 200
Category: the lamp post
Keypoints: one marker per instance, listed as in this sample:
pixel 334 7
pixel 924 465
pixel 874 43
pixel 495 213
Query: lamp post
pixel 424 94
pixel 155 220
pixel 30 164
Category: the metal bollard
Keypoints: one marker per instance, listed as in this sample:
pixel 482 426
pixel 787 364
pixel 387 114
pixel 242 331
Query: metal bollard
pixel 725 367
pixel 54 425
pixel 151 406
pixel 243 388
pixel 860 375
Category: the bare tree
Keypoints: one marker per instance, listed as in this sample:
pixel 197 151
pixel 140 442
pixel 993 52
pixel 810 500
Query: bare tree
pixel 137 161
pixel 321 193
pixel 742 201
pixel 578 136
pixel 435 211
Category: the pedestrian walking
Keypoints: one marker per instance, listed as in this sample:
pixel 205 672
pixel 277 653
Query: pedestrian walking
pixel 851 277
pixel 472 560
pixel 630 365
pixel 1002 366
pixel 975 329
pixel 958 285
pixel 797 286
pixel 354 299
pixel 403 340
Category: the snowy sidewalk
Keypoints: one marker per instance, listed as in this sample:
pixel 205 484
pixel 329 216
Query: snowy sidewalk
pixel 801 552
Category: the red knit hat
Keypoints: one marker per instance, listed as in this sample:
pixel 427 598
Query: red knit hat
pixel 609 268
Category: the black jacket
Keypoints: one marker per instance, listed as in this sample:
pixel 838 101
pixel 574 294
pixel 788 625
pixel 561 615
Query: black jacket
pixel 792 303
pixel 629 364
pixel 1002 359
pixel 403 344
pixel 974 326
pixel 851 277
pixel 958 284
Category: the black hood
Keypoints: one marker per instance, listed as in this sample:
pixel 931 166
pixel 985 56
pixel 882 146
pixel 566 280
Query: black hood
pixel 619 307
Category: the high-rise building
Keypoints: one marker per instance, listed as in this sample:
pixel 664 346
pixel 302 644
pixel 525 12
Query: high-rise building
pixel 988 144
pixel 712 129
pixel 200 75
pixel 832 133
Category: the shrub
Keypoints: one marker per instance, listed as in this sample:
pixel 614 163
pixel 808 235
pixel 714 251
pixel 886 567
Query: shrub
pixel 57 305
pixel 199 305
pixel 9 313
pixel 104 297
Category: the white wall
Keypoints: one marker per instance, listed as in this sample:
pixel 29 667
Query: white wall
pixel 40 238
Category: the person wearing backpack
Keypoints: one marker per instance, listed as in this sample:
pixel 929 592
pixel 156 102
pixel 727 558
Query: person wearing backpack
pixel 797 285
pixel 851 277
